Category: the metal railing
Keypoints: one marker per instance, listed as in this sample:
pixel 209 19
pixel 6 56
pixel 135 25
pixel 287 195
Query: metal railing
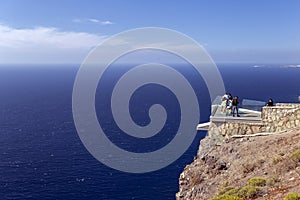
pixel 247 108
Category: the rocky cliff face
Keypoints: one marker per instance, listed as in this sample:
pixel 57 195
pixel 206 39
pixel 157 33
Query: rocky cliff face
pixel 229 166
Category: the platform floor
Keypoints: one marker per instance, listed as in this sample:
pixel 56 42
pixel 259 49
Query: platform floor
pixel 242 112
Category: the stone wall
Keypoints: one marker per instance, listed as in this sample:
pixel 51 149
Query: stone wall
pixel 244 128
pixel 281 117
pixel 227 129
pixel 274 119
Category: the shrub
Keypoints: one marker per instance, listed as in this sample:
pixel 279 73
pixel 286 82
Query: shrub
pixel 272 181
pixel 248 191
pixel 292 196
pixel 233 192
pixel 295 156
pixel 276 160
pixel 257 181
pixel 225 190
pixel 227 197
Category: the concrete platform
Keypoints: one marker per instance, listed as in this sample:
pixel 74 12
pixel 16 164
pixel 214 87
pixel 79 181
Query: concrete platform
pixel 246 115
pixel 203 126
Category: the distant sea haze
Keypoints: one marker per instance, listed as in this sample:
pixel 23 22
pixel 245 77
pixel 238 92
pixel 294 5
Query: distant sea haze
pixel 42 157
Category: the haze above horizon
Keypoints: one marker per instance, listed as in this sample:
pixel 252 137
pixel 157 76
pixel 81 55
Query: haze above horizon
pixel 250 31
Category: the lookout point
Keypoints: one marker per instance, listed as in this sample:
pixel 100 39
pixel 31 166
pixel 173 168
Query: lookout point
pixel 253 156
pixel 277 118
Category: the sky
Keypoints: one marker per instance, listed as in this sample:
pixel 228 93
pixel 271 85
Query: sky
pixel 232 31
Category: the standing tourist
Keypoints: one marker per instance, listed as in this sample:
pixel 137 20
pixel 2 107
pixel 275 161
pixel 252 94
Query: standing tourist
pixel 229 104
pixel 235 108
pixel 224 102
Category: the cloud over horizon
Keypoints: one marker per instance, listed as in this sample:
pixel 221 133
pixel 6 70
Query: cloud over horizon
pixel 52 45
pixel 45 44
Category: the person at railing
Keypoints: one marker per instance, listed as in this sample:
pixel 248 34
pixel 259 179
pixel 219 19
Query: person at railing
pixel 224 102
pixel 229 105
pixel 235 108
pixel 270 102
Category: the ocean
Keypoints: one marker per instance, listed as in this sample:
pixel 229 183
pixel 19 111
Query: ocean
pixel 42 156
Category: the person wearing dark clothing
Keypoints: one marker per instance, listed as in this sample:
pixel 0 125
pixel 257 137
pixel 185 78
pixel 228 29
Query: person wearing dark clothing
pixel 235 108
pixel 229 96
pixel 270 102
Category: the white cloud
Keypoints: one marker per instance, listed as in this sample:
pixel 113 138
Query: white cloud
pixel 92 20
pixel 51 45
pixel 45 44
pixel 106 22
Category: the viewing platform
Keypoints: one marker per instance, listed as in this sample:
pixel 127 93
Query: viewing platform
pixel 254 117
pixel 245 114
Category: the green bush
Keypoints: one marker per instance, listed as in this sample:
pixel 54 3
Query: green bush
pixel 257 181
pixel 292 196
pixel 252 189
pixel 248 191
pixel 233 192
pixel 227 197
pixel 225 190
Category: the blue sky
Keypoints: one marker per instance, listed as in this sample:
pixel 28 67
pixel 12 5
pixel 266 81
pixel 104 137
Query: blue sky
pixel 60 31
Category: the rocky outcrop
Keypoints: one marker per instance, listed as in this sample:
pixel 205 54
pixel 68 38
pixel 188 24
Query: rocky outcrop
pixel 224 162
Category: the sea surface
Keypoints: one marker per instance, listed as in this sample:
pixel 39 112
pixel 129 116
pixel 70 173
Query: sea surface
pixel 42 157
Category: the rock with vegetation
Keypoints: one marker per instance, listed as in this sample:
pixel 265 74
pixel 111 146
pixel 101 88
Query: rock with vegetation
pixel 292 196
pixel 262 167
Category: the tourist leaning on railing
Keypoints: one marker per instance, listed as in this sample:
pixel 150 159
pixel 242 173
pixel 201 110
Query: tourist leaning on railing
pixel 270 102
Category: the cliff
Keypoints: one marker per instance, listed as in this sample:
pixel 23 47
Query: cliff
pixel 247 160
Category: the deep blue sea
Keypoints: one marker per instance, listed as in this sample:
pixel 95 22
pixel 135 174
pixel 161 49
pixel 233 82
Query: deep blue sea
pixel 42 157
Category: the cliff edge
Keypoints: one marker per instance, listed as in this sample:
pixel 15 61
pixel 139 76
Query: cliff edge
pixel 256 166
